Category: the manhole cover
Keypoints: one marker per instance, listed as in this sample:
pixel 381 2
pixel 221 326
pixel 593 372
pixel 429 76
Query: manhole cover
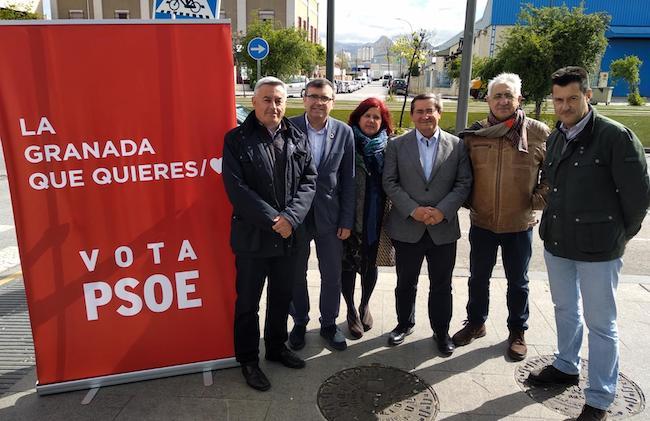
pixel 569 401
pixel 377 392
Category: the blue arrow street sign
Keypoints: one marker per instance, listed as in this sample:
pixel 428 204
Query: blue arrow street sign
pixel 258 48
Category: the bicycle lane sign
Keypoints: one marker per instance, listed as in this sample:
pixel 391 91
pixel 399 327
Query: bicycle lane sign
pixel 186 9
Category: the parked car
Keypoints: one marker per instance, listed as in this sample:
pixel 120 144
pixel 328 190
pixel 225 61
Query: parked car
pixel 398 87
pixel 296 85
pixel 242 112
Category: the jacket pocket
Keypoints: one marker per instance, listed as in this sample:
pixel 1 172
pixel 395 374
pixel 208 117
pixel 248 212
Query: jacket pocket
pixel 596 233
pixel 244 237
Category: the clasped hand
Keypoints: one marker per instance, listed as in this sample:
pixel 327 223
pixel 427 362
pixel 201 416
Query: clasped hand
pixel 282 226
pixel 428 215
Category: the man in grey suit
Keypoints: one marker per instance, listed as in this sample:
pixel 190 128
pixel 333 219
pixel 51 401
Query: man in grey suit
pixel 331 216
pixel 427 177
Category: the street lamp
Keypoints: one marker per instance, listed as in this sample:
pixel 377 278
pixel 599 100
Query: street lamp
pixel 407 22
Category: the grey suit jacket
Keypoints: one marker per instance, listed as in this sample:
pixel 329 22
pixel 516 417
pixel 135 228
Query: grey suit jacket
pixel 333 205
pixel 407 188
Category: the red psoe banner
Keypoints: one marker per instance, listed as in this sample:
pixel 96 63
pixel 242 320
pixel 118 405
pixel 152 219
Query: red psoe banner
pixel 112 136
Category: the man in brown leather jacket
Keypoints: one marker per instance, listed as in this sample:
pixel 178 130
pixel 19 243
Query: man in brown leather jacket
pixel 507 152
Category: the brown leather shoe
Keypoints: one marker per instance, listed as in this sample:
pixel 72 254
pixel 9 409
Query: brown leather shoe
pixel 517 348
pixel 589 413
pixel 354 324
pixel 468 333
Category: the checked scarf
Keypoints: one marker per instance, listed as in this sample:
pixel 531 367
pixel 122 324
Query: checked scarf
pixel 511 128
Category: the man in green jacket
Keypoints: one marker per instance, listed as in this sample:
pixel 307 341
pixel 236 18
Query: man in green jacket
pixel 599 193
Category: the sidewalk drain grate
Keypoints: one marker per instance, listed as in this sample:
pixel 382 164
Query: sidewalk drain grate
pixel 568 401
pixel 377 392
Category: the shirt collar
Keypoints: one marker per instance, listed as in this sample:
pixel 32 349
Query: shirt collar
pixel 573 132
pixel 274 133
pixel 321 131
pixel 420 137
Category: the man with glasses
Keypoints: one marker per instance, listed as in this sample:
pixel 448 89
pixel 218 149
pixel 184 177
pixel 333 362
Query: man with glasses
pixel 270 179
pixel 332 213
pixel 507 151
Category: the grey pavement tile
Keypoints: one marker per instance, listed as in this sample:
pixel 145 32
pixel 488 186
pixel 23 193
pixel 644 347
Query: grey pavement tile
pixel 470 416
pixel 63 406
pixel 497 396
pixel 173 408
pixel 481 355
pixel 247 410
pixel 633 292
pixel 283 411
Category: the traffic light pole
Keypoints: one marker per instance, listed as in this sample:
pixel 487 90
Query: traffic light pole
pixel 466 66
pixel 329 65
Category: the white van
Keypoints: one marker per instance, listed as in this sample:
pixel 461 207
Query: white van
pixel 296 85
pixel 363 80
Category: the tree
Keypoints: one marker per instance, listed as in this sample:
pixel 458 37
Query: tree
pixel 290 52
pixel 453 68
pixel 544 40
pixel 15 11
pixel 416 48
pixel 628 69
pixel 344 63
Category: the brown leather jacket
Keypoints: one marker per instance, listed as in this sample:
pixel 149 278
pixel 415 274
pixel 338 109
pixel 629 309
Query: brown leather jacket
pixel 507 186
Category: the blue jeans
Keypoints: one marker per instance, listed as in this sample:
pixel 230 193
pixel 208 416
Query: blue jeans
pixel 596 283
pixel 516 250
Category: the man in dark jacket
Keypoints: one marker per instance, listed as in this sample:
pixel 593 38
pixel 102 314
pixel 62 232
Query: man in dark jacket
pixel 599 194
pixel 270 180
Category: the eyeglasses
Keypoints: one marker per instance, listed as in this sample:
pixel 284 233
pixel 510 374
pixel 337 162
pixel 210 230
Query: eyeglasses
pixel 506 96
pixel 323 98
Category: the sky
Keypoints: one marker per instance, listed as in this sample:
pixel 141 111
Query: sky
pixel 367 20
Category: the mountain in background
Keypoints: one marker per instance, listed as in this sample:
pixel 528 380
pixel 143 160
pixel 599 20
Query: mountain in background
pixel 379 47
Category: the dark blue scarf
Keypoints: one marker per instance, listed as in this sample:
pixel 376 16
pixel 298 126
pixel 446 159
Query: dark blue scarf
pixel 372 151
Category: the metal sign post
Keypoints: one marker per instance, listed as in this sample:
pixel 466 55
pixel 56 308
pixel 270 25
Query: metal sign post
pixel 258 49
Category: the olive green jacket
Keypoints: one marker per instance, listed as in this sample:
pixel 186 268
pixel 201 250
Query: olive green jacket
pixel 599 191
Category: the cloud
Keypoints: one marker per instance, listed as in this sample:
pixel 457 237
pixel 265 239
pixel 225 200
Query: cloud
pixel 366 21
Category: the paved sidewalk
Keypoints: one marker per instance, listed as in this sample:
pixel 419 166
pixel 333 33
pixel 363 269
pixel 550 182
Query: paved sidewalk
pixel 476 383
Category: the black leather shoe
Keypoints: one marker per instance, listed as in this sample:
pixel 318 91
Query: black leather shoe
pixel 398 334
pixel 255 378
pixel 550 375
pixel 589 413
pixel 297 337
pixel 445 344
pixel 334 337
pixel 287 359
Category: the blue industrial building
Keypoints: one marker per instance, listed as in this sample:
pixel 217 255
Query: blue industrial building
pixel 628 33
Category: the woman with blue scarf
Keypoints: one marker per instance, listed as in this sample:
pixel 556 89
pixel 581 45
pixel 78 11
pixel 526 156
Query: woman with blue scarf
pixel 372 125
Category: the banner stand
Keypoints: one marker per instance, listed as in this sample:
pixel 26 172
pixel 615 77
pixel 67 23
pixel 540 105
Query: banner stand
pixel 135 376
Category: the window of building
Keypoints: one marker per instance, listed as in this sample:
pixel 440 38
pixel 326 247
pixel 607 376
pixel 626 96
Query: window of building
pixel 222 14
pixel 121 14
pixel 266 15
pixel 76 14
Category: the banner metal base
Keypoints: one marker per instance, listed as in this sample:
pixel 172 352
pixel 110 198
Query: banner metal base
pixel 135 376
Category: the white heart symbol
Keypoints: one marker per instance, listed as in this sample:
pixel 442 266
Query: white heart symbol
pixel 216 164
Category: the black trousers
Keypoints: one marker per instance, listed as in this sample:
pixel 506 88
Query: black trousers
pixel 440 262
pixel 282 274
